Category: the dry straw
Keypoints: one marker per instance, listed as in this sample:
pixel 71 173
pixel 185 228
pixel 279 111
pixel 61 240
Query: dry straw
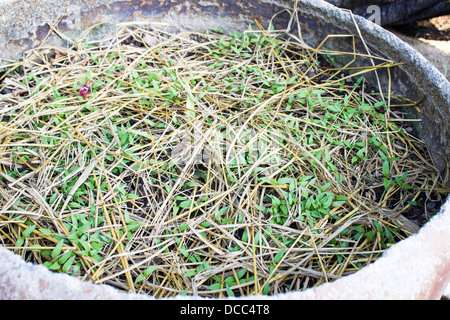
pixel 204 163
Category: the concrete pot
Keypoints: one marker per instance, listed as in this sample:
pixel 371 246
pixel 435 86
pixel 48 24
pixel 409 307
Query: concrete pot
pixel 416 268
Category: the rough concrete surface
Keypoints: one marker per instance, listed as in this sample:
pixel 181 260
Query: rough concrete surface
pixel 435 51
pixel 34 13
pixel 20 280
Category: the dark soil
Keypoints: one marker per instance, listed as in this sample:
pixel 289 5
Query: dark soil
pixel 431 29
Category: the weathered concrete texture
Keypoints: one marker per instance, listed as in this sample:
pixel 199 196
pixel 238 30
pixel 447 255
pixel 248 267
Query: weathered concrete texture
pixel 416 268
pixel 19 17
pixel 21 280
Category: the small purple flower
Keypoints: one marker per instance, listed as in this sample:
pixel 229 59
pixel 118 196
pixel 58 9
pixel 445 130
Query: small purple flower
pixel 85 89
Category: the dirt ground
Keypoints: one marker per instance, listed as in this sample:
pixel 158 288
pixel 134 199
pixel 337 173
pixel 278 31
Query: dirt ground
pixel 431 38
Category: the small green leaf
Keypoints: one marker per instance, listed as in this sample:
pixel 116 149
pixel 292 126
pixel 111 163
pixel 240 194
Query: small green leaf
pixel 279 255
pixel 184 252
pixel 28 231
pixel 218 213
pixel 275 200
pixel 96 257
pixel 139 278
pixel 190 273
pixel 76 268
pixel 326 186
pixel 72 237
pixel 370 234
pixel 184 293
pixel 46 232
pixel 241 273
pixel 186 204
pixel 36 247
pixel 245 236
pixel 19 242
pixel 83 228
pixel 358 228
pixel 75 85
pixel 386 168
pixel 65 256
pixel 361 152
pixel 74 205
pixel 266 289
pixel 193 184
pixel 403 177
pixel 386 183
pixel 257 237
pixel 133 226
pixel 378 226
pixel 230 292
pixel 382 155
pixel 285 180
pixel 52 198
pixel 267 180
pixel 149 270
pixel 54 266
pixel 337 203
pixel 261 208
pixel 215 286
pixel 183 227
pixel 57 250
pixel 85 245
pixel 327 201
pixel 168 188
